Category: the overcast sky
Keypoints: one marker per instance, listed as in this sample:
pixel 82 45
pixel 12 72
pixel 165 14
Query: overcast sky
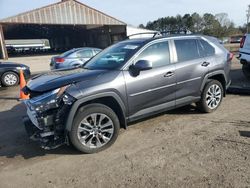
pixel 141 11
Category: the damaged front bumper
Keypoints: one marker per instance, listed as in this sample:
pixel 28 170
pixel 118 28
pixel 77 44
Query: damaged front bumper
pixel 46 117
pixel 46 140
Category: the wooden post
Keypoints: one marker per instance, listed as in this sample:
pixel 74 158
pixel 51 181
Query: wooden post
pixel 3 50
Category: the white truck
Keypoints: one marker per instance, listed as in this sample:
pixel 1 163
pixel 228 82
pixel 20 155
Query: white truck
pixel 244 55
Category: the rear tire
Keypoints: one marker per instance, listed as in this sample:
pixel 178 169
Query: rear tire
pixel 211 97
pixel 10 79
pixel 95 128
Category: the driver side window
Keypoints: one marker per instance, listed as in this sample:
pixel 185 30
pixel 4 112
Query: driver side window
pixel 157 54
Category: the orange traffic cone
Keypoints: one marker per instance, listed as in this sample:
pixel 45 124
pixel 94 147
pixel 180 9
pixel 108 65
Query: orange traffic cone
pixel 22 85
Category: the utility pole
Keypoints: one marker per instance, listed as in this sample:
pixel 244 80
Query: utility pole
pixel 248 17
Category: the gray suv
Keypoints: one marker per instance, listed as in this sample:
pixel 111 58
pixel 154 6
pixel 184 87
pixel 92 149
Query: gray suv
pixel 133 79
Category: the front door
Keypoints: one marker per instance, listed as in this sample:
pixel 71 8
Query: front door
pixel 154 89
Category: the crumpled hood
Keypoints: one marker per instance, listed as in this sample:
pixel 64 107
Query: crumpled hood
pixel 55 79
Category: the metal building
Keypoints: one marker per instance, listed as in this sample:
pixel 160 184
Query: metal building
pixel 66 24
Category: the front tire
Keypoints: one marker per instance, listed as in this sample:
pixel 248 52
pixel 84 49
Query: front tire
pixel 95 128
pixel 211 97
pixel 10 79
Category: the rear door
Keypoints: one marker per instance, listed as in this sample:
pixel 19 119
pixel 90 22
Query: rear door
pixel 191 68
pixel 208 53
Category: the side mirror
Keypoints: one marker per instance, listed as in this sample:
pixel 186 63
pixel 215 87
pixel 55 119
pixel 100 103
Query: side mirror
pixel 143 65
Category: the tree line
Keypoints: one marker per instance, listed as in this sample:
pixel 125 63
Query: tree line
pixel 218 25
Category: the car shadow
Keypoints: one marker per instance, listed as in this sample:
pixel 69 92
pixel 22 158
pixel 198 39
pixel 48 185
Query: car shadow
pixel 14 140
pixel 245 134
pixel 240 84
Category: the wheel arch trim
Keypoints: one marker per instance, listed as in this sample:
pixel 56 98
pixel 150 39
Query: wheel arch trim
pixel 81 101
pixel 209 75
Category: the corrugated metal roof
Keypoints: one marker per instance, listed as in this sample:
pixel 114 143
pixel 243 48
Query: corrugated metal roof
pixel 65 12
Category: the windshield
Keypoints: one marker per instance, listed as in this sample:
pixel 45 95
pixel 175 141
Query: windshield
pixel 114 57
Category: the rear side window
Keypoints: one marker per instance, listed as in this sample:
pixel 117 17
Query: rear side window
pixel 157 53
pixel 84 54
pixel 187 49
pixel 205 48
pixel 96 51
pixel 68 53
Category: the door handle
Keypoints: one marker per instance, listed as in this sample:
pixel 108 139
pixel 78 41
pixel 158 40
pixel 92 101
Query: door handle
pixel 169 74
pixel 205 64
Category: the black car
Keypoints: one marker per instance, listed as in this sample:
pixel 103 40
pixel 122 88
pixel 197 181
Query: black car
pixel 9 73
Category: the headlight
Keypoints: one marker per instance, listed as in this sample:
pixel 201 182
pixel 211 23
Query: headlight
pixel 47 101
pixel 21 68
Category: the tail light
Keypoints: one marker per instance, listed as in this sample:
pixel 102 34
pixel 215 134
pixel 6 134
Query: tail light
pixel 60 60
pixel 242 41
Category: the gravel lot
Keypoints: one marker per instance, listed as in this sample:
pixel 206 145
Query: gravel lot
pixel 180 148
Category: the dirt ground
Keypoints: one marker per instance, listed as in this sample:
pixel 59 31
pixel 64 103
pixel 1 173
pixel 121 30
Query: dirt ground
pixel 180 148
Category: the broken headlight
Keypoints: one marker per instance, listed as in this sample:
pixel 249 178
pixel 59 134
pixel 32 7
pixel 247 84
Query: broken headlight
pixel 50 100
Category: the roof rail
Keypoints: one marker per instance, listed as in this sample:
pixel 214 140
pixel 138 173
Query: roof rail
pixel 162 33
pixel 154 34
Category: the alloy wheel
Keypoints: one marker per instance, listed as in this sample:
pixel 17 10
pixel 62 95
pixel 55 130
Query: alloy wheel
pixel 95 130
pixel 213 96
pixel 10 79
